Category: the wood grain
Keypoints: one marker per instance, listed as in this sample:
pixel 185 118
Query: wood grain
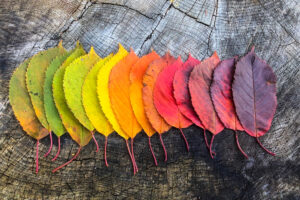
pixel 181 26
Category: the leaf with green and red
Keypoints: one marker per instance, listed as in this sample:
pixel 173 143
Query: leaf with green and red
pixel 199 86
pixel 164 100
pixel 254 95
pixel 221 94
pixel 182 93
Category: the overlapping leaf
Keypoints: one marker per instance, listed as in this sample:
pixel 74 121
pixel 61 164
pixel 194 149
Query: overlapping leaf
pixel 149 79
pixel 77 131
pixel 73 80
pixel 181 90
pixel 103 92
pixel 136 90
pixel 254 94
pixel 35 77
pixel 119 94
pixel 91 102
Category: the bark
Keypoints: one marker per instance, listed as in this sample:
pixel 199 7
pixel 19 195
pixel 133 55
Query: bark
pixel 199 27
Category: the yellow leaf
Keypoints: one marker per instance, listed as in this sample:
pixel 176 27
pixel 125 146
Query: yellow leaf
pixel 91 102
pixel 103 92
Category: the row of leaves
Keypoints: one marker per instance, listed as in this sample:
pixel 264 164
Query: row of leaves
pixel 63 91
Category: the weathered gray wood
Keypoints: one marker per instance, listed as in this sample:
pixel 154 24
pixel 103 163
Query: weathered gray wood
pixel 200 27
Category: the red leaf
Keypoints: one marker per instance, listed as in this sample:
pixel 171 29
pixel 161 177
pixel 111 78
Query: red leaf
pixel 221 93
pixel 164 100
pixel 199 86
pixel 181 90
pixel 254 94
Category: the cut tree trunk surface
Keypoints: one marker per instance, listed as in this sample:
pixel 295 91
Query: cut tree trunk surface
pixel 198 27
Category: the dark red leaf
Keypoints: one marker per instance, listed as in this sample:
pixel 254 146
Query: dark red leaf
pixel 221 93
pixel 199 86
pixel 254 94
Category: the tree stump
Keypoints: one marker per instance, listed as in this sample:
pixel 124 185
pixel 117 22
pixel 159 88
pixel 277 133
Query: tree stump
pixel 198 27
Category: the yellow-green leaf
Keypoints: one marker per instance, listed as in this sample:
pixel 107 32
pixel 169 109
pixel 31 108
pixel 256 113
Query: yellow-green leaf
pixel 103 92
pixel 73 80
pixel 78 133
pixel 90 100
pixel 52 115
pixel 21 104
pixel 35 77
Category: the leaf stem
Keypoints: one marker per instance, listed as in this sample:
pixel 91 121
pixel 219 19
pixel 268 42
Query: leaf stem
pixel 185 140
pixel 155 161
pixel 130 157
pixel 132 153
pixel 163 145
pixel 53 171
pixel 58 151
pixel 96 143
pixel 238 144
pixel 260 144
pixel 51 143
pixel 105 147
pixel 211 142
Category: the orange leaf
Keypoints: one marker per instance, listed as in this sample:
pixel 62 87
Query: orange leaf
pixel 149 79
pixel 119 84
pixel 136 90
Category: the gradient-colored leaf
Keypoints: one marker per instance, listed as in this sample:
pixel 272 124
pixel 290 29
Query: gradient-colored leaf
pixel 103 95
pixel 35 77
pixel 199 86
pixel 91 103
pixel 149 79
pixel 221 94
pixel 77 131
pixel 119 83
pixel 103 92
pixel 136 94
pixel 181 90
pixel 22 107
pixel 164 100
pixel 254 94
pixel 73 80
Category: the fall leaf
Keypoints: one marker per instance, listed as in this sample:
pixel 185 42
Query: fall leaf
pixel 221 94
pixel 254 94
pixel 119 83
pixel 73 80
pixel 51 112
pixel 78 132
pixel 164 100
pixel 199 86
pixel 91 103
pixel 103 92
pixel 22 107
pixel 103 95
pixel 136 94
pixel 149 79
pixel 35 77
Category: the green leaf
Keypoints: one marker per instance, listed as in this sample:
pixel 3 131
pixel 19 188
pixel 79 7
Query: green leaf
pixel 78 133
pixel 73 80
pixel 35 77
pixel 21 104
pixel 52 114
pixel 90 100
